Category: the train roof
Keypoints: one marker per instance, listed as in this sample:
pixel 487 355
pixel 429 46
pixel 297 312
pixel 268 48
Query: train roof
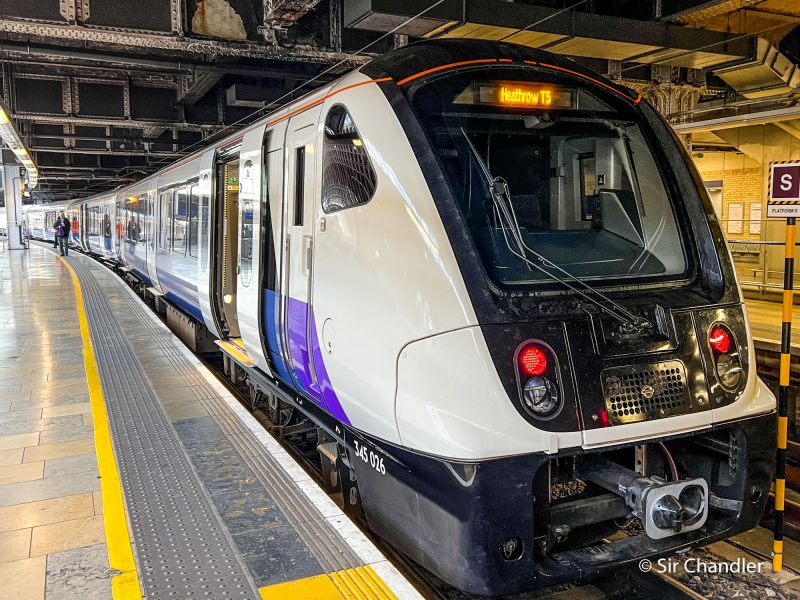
pixel 429 56
pixel 401 65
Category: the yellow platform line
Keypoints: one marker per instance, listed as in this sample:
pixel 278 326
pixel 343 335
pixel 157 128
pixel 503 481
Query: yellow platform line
pixel 359 583
pixel 125 585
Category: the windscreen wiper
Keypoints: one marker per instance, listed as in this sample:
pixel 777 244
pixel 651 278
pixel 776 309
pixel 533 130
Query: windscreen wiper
pixel 512 235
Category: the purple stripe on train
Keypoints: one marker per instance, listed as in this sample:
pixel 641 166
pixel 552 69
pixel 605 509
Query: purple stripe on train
pixel 321 390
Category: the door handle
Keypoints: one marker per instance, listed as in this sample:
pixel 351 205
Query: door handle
pixel 309 244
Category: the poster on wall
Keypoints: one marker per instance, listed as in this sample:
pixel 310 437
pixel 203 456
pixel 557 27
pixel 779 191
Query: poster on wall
pixel 755 219
pixel 735 217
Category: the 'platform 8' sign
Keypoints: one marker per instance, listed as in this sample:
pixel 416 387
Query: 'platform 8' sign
pixel 784 191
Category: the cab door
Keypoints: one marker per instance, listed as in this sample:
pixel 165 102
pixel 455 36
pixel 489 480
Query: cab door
pixel 298 264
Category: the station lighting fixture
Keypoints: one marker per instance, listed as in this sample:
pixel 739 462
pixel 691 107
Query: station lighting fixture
pixel 13 140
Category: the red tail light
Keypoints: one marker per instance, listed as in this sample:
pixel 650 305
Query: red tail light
pixel 720 340
pixel 533 360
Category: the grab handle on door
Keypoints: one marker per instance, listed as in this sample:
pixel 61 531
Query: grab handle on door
pixel 307 256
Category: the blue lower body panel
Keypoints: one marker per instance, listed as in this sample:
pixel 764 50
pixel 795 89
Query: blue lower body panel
pixel 316 386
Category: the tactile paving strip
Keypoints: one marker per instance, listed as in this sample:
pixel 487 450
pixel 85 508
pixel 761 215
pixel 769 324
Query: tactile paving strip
pixel 181 545
pixel 324 542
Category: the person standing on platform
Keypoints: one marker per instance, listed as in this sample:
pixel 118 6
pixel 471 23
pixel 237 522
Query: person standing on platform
pixel 62 228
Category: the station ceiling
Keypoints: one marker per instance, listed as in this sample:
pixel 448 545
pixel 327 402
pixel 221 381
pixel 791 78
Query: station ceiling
pixel 105 92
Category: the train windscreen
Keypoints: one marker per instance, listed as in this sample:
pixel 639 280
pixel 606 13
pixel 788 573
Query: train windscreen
pixel 571 166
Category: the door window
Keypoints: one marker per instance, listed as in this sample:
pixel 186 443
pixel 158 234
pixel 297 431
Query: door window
pixel 202 202
pixel 246 249
pixel 165 222
pixel 299 183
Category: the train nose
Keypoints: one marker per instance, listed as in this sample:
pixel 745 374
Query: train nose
pixel 665 508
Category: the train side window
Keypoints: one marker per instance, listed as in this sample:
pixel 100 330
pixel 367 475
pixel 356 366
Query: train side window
pixel 94 227
pixel 127 225
pixel 348 178
pixel 120 219
pixel 203 226
pixel 165 222
pixel 133 225
pixel 299 183
pixel 106 223
pixel 180 221
pixel 194 220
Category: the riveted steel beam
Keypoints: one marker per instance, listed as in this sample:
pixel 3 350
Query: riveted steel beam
pixel 68 10
pixel 76 58
pixel 103 122
pixel 287 12
pixel 335 24
pixel 189 46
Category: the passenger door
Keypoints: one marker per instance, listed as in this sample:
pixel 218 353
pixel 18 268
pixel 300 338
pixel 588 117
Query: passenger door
pixel 150 234
pixel 248 259
pixel 300 200
pixel 204 265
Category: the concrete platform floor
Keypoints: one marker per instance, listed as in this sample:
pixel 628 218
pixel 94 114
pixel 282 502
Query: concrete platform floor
pixel 217 509
pixel 52 541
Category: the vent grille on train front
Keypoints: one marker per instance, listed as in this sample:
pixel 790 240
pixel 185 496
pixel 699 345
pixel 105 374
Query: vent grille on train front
pixel 645 392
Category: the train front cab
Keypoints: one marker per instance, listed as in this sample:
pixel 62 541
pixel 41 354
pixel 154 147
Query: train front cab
pixel 642 428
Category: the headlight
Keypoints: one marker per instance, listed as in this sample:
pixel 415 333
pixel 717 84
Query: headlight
pixel 729 371
pixel 541 397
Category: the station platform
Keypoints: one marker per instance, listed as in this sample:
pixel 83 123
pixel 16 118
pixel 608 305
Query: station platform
pixel 127 470
pixel 765 323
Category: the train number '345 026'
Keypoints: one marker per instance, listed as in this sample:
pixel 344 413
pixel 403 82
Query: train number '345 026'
pixel 370 457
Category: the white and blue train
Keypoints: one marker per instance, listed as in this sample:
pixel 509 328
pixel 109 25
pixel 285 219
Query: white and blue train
pixel 492 284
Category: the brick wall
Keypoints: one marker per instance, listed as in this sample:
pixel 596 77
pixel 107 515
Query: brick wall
pixel 739 186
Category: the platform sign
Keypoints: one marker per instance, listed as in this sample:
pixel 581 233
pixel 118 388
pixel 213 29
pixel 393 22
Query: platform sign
pixel 784 190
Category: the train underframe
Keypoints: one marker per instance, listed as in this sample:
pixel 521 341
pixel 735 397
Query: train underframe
pixel 513 524
pixel 518 523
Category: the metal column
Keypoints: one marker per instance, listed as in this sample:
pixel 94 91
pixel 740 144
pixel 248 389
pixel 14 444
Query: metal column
pixel 783 395
pixel 13 197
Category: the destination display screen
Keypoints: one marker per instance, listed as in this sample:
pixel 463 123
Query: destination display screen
pixel 517 94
